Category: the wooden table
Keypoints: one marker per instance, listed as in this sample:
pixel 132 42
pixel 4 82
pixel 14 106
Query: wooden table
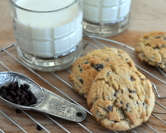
pixel 146 15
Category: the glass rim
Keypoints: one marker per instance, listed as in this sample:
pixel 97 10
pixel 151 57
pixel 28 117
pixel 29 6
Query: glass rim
pixel 37 11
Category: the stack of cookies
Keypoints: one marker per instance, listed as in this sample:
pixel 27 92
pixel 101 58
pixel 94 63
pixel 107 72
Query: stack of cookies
pixel 120 97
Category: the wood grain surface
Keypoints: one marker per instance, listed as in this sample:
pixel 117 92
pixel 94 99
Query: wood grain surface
pixel 146 15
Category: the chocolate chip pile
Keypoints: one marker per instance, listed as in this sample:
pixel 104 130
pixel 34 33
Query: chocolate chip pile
pixel 18 94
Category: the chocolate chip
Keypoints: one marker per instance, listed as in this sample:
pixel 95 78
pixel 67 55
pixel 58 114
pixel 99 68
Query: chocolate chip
pixel 132 79
pixel 148 44
pixel 108 73
pixel 18 102
pixel 26 86
pixel 130 97
pixel 33 100
pixel 12 93
pixel 9 98
pixel 152 58
pixel 39 127
pixel 156 47
pixel 25 102
pixel 157 37
pixel 17 98
pixel 143 55
pixel 19 93
pixel 13 85
pixel 131 91
pixel 81 81
pixel 3 94
pixel 21 86
pixel 22 96
pixel 18 111
pixel 109 108
pixel 107 59
pixel 98 67
pixel 86 62
pixel 127 105
pixel 98 113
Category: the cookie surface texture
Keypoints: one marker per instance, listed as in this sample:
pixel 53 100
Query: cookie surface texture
pixel 85 69
pixel 151 48
pixel 121 98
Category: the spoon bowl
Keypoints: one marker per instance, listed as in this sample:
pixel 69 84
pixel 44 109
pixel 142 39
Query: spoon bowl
pixel 46 101
pixel 7 78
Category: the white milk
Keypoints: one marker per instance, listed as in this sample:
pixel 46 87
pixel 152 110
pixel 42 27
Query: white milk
pixel 105 11
pixel 48 34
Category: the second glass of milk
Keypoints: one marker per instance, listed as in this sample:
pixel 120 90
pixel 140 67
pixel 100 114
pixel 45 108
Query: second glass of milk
pixel 105 18
pixel 48 32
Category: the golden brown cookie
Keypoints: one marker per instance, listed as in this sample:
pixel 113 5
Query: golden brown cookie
pixel 85 69
pixel 121 98
pixel 151 49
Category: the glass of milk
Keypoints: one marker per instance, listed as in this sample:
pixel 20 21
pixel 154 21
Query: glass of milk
pixel 105 18
pixel 48 32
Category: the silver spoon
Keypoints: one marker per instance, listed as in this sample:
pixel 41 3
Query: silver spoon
pixel 47 102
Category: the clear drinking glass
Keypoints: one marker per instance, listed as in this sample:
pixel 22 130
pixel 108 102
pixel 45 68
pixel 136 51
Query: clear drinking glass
pixel 105 18
pixel 48 32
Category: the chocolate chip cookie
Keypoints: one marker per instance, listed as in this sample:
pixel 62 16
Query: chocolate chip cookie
pixel 121 98
pixel 151 48
pixel 85 69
